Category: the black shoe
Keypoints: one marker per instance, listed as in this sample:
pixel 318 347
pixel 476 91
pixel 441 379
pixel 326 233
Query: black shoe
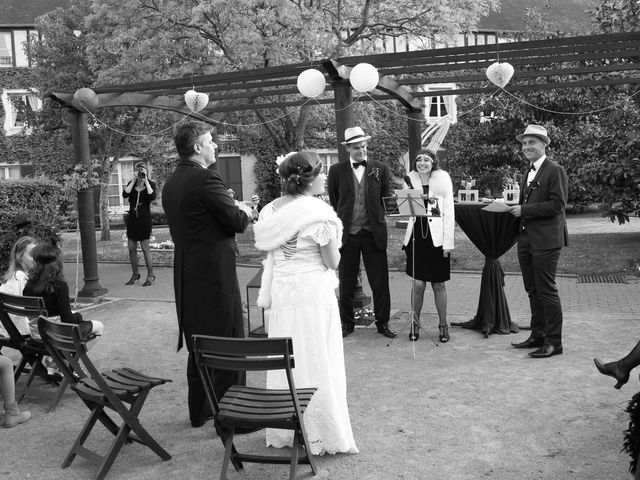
pixel 414 332
pixel 444 333
pixel 531 342
pixel 347 330
pixel 384 329
pixel 613 370
pixel 546 351
pixel 134 278
pixel 201 421
pixel 149 281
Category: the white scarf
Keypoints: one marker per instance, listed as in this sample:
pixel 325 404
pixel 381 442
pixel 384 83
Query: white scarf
pixel 285 222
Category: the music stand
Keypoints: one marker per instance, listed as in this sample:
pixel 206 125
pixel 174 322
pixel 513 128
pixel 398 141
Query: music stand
pixel 411 203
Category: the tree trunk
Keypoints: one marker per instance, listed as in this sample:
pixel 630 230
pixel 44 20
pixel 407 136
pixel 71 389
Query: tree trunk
pixel 105 177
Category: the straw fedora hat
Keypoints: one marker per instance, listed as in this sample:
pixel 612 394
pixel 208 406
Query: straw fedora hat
pixel 354 135
pixel 536 131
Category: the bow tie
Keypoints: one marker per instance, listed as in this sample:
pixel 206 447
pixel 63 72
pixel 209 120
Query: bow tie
pixel 531 167
pixel 363 163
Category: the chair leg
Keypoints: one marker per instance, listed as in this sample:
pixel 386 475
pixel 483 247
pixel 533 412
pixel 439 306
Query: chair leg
pixel 59 393
pixel 130 417
pixel 32 374
pixel 114 449
pixel 227 455
pixel 295 452
pixel 20 368
pixel 84 433
pixel 307 448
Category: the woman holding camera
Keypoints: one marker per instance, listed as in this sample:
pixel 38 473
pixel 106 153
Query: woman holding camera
pixel 141 192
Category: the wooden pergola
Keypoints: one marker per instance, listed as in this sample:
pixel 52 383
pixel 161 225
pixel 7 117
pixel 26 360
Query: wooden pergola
pixel 566 63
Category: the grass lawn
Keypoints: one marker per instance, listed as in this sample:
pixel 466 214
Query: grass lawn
pixel 587 254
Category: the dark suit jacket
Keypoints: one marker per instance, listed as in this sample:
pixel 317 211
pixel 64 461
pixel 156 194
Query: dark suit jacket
pixel 342 197
pixel 203 221
pixel 543 206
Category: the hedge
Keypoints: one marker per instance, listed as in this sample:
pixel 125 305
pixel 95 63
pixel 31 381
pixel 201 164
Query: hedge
pixel 30 206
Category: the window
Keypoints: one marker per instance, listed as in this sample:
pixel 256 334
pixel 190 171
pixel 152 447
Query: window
pixel 13 117
pixel 121 174
pixel 328 158
pixel 6 53
pixel 9 171
pixel 13 47
pixel 440 106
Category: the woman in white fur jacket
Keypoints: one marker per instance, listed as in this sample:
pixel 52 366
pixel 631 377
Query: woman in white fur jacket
pixel 433 238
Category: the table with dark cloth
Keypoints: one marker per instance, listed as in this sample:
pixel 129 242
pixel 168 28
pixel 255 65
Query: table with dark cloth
pixel 493 234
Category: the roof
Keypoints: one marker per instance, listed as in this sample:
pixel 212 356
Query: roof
pixel 25 12
pixel 568 15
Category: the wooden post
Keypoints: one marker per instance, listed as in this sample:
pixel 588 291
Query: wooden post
pixel 343 104
pixel 414 130
pixel 86 214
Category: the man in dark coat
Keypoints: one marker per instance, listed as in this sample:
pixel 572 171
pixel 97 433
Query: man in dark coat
pixel 203 220
pixel 356 189
pixel 542 234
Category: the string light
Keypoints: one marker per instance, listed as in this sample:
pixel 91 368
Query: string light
pixel 315 101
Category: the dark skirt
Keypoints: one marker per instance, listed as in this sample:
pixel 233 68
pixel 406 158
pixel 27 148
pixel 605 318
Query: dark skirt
pixel 430 264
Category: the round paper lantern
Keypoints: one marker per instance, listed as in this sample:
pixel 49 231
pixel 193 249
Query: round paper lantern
pixel 86 98
pixel 311 83
pixel 196 101
pixel 364 77
pixel 500 73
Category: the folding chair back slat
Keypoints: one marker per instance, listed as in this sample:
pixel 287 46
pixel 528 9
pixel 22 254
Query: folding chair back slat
pixel 252 407
pixel 112 390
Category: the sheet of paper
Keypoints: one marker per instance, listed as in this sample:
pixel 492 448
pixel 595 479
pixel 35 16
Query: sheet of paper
pixel 497 207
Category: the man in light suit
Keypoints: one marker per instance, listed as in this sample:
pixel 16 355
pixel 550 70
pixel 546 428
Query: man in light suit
pixel 542 234
pixel 356 189
pixel 203 220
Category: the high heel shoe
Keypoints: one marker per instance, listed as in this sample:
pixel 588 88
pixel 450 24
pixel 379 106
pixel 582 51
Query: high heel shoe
pixel 613 370
pixel 414 332
pixel 149 281
pixel 134 278
pixel 444 333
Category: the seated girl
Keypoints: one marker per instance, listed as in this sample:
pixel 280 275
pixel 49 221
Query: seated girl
pixel 47 281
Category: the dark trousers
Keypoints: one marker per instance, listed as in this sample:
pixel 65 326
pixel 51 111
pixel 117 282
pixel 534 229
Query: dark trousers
pixel 222 379
pixel 376 266
pixel 539 276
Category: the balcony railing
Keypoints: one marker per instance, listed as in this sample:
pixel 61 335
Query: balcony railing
pixel 6 61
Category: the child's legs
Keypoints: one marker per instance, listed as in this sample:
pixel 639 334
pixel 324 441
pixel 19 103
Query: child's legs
pixel 98 328
pixel 7 380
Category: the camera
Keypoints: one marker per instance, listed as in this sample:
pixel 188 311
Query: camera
pixel 141 174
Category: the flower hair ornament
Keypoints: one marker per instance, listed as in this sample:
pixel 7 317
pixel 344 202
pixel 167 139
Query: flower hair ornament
pixel 282 158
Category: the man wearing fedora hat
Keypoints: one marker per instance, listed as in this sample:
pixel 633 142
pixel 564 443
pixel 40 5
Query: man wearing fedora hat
pixel 542 234
pixel 356 189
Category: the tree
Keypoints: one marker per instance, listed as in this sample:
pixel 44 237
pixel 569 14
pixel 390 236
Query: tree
pixel 148 39
pixel 62 63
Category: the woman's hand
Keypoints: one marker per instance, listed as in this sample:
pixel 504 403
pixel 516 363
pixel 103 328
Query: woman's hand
pixel 446 252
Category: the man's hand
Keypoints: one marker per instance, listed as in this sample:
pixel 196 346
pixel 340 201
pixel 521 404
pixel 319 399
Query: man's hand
pixel 515 210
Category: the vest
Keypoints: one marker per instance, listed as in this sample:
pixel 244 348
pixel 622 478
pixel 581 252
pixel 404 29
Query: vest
pixel 359 217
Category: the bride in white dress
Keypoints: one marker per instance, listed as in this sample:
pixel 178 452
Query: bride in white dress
pixel 301 235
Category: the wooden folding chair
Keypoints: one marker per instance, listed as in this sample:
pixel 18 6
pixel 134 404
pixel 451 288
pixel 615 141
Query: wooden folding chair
pixel 32 351
pixel 99 391
pixel 250 407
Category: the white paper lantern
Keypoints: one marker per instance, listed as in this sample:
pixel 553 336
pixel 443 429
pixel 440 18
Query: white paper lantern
pixel 86 98
pixel 500 73
pixel 364 77
pixel 311 83
pixel 196 101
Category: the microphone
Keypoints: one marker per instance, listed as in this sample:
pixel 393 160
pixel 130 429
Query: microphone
pixel 407 180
